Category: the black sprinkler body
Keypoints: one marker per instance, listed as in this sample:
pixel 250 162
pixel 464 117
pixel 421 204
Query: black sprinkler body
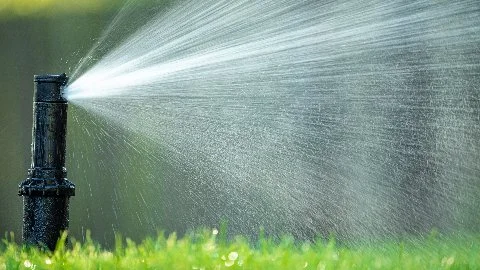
pixel 46 191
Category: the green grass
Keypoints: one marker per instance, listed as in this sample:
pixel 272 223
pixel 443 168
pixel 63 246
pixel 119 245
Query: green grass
pixel 205 250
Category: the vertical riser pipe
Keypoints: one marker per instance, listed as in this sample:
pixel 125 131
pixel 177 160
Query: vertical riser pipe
pixel 46 190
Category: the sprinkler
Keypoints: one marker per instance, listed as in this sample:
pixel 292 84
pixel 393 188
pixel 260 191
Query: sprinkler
pixel 46 191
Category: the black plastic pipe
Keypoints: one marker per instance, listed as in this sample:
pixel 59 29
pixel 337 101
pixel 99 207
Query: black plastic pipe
pixel 46 191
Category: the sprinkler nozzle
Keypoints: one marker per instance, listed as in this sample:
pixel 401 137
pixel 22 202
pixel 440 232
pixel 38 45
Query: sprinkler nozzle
pixel 46 191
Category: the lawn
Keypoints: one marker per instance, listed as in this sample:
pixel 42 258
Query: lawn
pixel 208 250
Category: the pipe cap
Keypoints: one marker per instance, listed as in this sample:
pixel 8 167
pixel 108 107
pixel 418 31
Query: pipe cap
pixel 49 88
pixel 60 79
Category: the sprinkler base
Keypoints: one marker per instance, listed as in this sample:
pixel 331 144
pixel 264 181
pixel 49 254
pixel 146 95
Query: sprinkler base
pixel 44 220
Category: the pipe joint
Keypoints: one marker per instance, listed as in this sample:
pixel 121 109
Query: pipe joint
pixel 47 187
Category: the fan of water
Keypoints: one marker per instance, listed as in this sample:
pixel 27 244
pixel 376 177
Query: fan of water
pixel 360 118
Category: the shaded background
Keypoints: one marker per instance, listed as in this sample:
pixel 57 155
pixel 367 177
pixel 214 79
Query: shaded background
pixel 52 38
pixel 36 37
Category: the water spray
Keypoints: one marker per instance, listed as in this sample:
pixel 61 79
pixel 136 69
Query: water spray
pixel 46 191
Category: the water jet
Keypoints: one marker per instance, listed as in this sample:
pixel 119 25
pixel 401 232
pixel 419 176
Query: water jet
pixel 358 118
pixel 46 191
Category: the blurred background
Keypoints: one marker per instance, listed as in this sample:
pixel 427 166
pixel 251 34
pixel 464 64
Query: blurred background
pixel 39 37
pixel 52 37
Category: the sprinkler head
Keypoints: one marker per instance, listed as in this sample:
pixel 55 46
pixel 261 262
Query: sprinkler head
pixel 48 88
pixel 46 190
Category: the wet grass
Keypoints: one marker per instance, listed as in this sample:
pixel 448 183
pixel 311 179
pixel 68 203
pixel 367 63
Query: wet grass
pixel 206 250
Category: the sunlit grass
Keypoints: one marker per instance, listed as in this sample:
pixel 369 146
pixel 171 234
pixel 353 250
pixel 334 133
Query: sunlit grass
pixel 206 250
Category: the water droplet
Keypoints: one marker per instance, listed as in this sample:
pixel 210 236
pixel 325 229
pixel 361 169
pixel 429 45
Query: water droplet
pixel 232 256
pixel 27 263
